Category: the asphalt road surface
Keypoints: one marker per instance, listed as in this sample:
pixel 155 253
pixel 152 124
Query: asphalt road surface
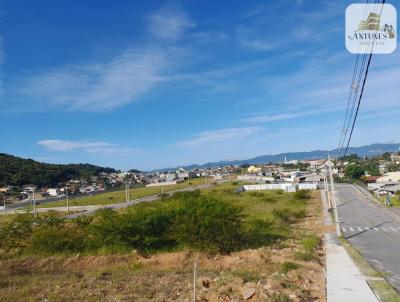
pixel 372 229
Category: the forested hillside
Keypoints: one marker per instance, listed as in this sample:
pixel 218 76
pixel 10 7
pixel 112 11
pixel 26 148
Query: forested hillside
pixel 19 171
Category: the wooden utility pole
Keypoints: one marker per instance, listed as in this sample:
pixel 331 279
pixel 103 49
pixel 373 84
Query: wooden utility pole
pixel 66 191
pixel 338 231
pixel 34 203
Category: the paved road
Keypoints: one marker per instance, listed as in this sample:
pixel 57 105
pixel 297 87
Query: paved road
pixel 372 229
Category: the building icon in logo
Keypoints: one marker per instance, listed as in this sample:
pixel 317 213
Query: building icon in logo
pixel 372 23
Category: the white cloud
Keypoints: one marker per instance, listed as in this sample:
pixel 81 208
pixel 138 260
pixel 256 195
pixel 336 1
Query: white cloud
pixel 259 45
pixel 169 23
pixel 218 136
pixel 286 116
pixel 97 87
pixel 303 33
pixel 87 146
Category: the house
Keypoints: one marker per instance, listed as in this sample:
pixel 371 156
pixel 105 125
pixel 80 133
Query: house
pixel 308 178
pixel 171 177
pixel 390 176
pixel 53 192
pixel 4 190
pixel 371 179
pixel 253 169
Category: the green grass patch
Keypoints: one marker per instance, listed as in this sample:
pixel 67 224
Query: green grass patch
pixel 384 291
pixel 280 297
pixel 245 275
pixel 309 245
pixel 288 266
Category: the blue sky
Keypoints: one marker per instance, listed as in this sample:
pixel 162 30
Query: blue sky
pixel 152 84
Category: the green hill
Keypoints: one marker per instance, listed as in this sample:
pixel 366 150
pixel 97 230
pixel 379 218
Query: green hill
pixel 19 171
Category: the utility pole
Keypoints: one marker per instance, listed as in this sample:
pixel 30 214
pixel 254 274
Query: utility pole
pixel 34 203
pixel 4 203
pixel 194 279
pixel 338 232
pixel 327 191
pixel 126 190
pixel 66 191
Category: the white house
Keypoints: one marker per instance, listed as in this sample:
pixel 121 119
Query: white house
pixel 52 192
pixel 390 176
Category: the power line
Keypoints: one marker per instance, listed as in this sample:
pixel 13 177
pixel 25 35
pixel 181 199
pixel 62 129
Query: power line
pixel 352 97
pixel 351 114
pixel 359 102
pixel 362 87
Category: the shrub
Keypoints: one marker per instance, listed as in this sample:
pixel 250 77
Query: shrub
pixel 260 232
pixel 270 199
pixel 245 275
pixel 256 194
pixel 209 224
pixel 145 229
pixel 299 214
pixel 51 219
pixel 187 194
pixel 14 233
pixel 309 245
pixel 51 239
pixel 288 266
pixel 104 230
pixel 82 221
pixel 284 215
pixel 163 196
pixel 302 194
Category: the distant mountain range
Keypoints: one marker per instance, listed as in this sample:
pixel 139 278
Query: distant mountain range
pixel 368 150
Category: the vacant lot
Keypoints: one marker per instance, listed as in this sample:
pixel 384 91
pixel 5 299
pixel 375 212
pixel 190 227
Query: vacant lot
pixel 285 266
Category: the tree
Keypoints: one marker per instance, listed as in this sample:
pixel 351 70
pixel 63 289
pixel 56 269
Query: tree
pixel 354 171
pixel 372 168
pixel 386 156
pixel 19 171
pixel 393 167
pixel 350 158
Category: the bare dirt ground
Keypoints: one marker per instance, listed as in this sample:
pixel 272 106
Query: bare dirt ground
pixel 249 275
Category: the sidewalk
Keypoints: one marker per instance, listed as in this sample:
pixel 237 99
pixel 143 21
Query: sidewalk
pixel 344 281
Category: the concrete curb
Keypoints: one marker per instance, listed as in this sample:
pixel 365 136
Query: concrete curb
pixel 344 281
